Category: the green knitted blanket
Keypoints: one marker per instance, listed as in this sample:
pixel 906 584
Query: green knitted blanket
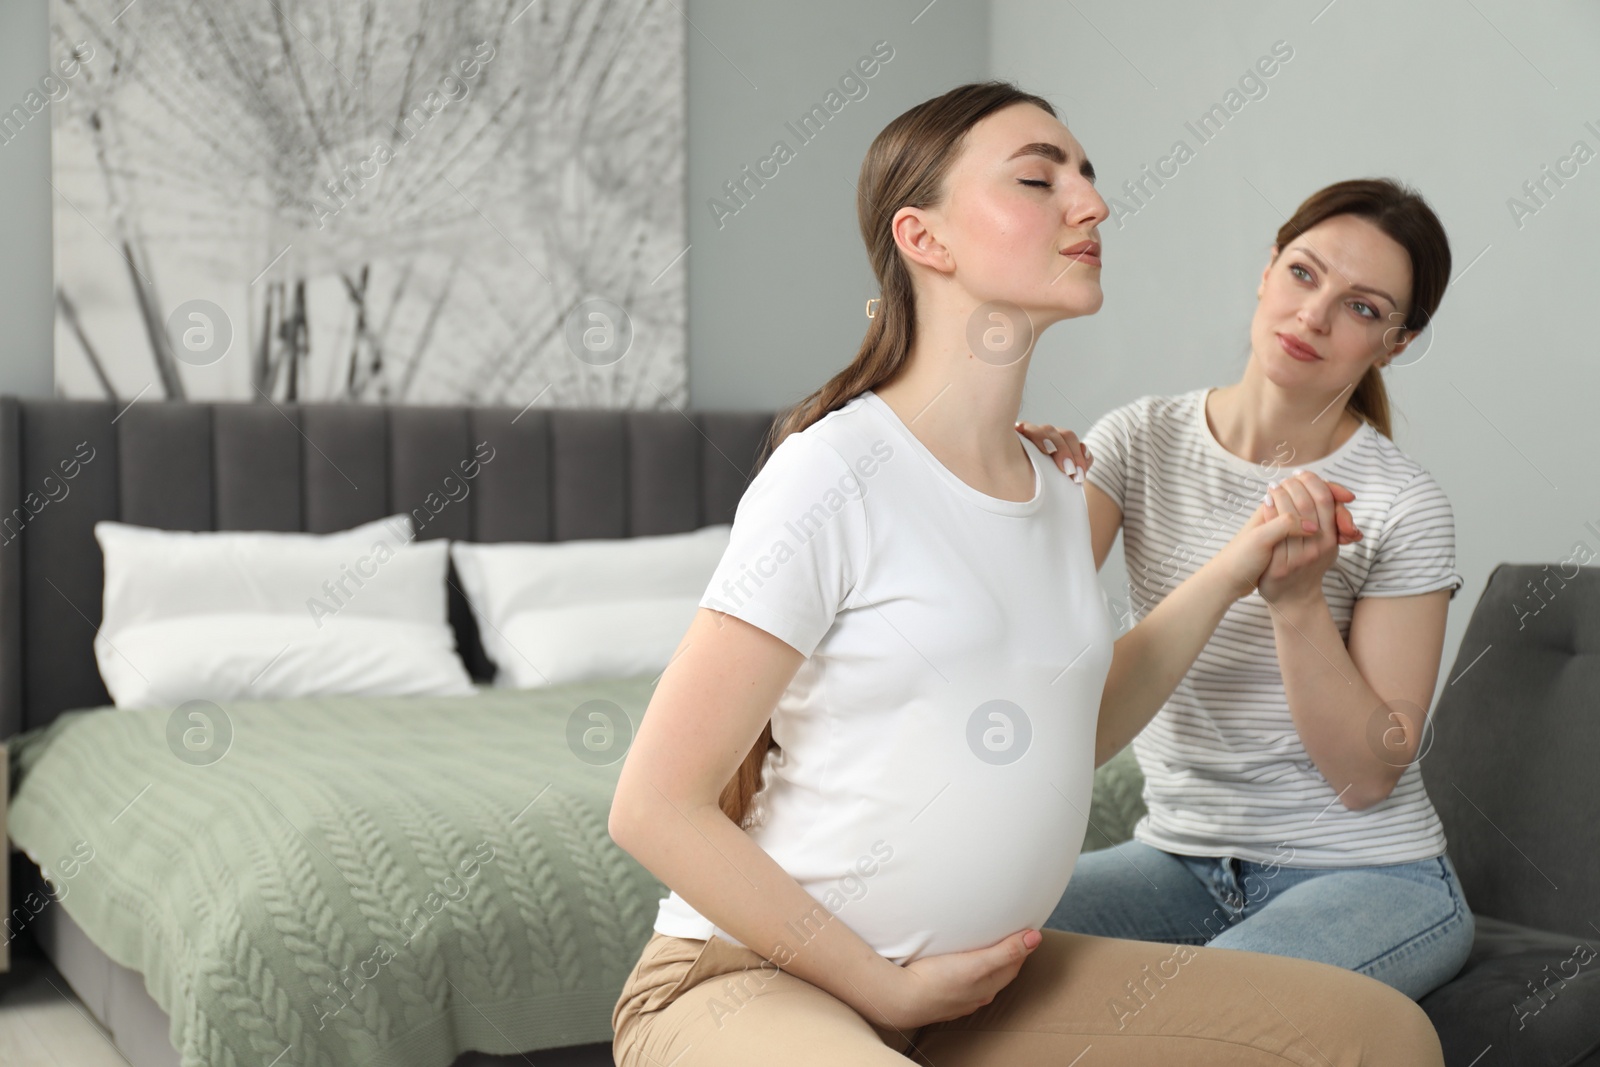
pixel 365 881
pixel 356 880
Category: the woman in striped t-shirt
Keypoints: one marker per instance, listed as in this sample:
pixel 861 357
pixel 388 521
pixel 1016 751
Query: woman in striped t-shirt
pixel 1287 812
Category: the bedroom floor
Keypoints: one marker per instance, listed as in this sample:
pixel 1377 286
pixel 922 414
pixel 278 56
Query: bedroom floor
pixel 42 1024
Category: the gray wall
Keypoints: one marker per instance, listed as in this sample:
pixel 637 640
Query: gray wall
pixel 777 293
pixel 1464 101
pixel 26 273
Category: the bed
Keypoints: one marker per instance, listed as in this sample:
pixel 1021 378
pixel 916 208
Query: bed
pixel 397 881
pixel 412 881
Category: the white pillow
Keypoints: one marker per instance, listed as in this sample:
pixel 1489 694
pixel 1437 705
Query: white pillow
pixel 241 615
pixel 571 611
pixel 258 656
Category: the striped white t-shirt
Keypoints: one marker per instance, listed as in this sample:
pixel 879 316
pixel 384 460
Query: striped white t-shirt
pixel 1225 771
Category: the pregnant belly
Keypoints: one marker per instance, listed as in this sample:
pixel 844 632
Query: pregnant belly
pixel 980 862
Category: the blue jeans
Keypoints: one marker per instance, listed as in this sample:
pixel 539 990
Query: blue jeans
pixel 1405 924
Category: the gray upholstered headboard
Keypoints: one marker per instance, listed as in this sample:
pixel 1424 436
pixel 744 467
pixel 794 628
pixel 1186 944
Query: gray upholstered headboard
pixel 554 475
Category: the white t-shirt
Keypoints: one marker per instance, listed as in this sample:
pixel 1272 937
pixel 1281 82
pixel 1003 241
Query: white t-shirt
pixel 1225 771
pixel 938 742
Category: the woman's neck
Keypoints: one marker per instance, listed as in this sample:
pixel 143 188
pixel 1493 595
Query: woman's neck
pixel 964 410
pixel 1261 422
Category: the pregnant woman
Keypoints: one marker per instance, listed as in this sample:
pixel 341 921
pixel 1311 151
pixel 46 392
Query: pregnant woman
pixel 1286 812
pixel 857 773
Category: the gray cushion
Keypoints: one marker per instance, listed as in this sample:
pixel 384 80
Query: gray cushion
pixel 1516 740
pixel 1525 998
pixel 1510 769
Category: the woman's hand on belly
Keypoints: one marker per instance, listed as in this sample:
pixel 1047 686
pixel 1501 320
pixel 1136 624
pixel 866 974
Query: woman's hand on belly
pixel 934 989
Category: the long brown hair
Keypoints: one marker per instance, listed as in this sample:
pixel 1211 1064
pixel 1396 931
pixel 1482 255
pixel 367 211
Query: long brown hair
pixel 906 166
pixel 1400 212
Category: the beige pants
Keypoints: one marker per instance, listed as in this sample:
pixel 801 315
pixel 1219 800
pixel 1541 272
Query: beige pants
pixel 693 1003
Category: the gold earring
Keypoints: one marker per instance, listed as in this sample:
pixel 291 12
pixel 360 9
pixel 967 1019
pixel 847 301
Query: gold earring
pixel 872 309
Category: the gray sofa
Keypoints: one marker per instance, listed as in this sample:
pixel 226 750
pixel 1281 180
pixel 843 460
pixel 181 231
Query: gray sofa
pixel 1511 771
pixel 1509 761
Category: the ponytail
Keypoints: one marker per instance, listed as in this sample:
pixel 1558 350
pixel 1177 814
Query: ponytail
pixel 905 166
pixel 1370 401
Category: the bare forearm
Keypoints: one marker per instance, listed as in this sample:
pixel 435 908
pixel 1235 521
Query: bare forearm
pixel 1331 703
pixel 1149 661
pixel 726 877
